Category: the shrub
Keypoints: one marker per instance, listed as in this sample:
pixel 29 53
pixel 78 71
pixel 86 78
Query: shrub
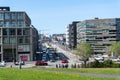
pixel 107 63
pixel 96 64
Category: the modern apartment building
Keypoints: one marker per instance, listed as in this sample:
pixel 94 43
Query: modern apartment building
pixel 18 38
pixel 71 35
pixel 100 33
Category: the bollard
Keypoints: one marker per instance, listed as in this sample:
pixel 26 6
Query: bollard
pixel 56 66
pixel 20 66
pixel 10 66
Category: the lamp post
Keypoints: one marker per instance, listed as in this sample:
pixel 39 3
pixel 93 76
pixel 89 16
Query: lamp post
pixel 12 43
pixel 2 46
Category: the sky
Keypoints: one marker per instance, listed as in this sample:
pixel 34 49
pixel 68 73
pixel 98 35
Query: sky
pixel 52 16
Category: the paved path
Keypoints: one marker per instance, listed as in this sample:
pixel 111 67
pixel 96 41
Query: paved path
pixel 87 74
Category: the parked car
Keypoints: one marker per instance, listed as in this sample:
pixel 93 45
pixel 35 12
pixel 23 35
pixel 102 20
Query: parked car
pixel 99 58
pixel 41 63
pixel 3 64
pixel 115 59
pixel 52 60
pixel 64 61
pixel 21 62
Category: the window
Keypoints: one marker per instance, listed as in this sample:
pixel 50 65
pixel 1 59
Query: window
pixel 5 31
pixel 7 16
pixel 27 39
pixel 105 30
pixel 13 16
pixel 20 40
pixel 20 16
pixel 6 40
pixel 118 24
pixel 7 24
pixel 12 40
pixel 13 24
pixel 26 32
pixel 1 24
pixel 12 31
pixel 1 16
pixel 19 31
pixel 20 24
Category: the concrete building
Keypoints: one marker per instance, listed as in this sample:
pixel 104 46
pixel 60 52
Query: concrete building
pixel 100 33
pixel 60 38
pixel 71 35
pixel 18 38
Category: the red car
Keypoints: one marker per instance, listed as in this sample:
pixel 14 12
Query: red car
pixel 64 61
pixel 41 63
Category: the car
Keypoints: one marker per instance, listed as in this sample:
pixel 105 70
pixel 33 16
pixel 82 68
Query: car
pixel 21 62
pixel 64 61
pixel 41 63
pixel 115 59
pixel 3 64
pixel 99 58
pixel 52 60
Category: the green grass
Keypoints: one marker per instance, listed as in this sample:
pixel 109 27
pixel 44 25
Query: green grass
pixel 115 71
pixel 16 74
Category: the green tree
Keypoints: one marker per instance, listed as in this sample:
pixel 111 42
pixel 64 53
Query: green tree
pixel 115 49
pixel 84 51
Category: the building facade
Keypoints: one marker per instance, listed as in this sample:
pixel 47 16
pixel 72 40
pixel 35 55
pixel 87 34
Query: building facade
pixel 71 35
pixel 18 38
pixel 100 33
pixel 60 38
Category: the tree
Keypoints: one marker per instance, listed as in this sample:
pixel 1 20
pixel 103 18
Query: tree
pixel 115 49
pixel 84 51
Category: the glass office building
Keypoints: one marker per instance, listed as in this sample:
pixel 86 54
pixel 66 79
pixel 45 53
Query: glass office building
pixel 100 33
pixel 18 38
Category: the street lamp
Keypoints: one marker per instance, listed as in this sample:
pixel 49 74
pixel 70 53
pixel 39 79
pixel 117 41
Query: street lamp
pixel 12 43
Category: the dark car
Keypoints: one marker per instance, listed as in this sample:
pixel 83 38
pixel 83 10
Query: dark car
pixel 64 61
pixel 41 63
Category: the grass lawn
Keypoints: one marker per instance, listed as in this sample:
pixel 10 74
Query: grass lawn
pixel 16 74
pixel 115 71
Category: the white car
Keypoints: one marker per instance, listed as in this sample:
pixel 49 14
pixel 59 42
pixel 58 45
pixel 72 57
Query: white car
pixel 98 58
pixel 2 64
pixel 115 59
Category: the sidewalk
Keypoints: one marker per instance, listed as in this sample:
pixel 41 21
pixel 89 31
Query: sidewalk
pixel 88 74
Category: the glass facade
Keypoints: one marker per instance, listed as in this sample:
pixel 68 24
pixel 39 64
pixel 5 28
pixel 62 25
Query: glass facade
pixel 12 31
pixel 27 39
pixel 13 24
pixel 12 40
pixel 20 16
pixel 1 24
pixel 98 33
pixel 20 40
pixel 7 16
pixel 1 16
pixel 13 16
pixel 6 40
pixel 19 31
pixel 5 31
pixel 15 29
pixel 20 24
pixel 26 31
pixel 7 24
